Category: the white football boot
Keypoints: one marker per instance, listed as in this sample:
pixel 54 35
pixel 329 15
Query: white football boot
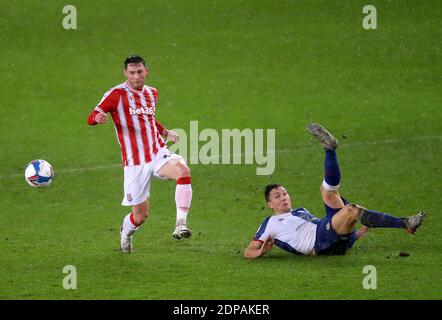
pixel 125 242
pixel 181 231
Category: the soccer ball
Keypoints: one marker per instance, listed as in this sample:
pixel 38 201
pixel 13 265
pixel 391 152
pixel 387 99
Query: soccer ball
pixel 39 173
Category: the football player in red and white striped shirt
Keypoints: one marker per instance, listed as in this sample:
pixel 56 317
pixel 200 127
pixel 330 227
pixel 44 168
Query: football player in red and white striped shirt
pixel 144 152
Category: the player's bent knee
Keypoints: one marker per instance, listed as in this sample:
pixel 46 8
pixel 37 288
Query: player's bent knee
pixel 354 210
pixel 183 170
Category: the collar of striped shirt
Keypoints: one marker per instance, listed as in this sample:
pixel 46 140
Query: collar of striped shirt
pixel 132 89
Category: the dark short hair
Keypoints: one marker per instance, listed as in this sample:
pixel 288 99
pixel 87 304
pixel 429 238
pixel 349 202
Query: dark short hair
pixel 269 188
pixel 134 59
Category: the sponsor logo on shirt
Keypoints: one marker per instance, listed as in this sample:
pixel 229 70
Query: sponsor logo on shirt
pixel 143 110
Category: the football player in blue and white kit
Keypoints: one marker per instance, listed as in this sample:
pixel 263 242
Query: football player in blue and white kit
pixel 300 232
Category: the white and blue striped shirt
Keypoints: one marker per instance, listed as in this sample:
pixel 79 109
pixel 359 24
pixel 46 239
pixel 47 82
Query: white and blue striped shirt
pixel 294 231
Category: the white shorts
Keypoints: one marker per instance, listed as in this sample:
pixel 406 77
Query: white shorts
pixel 137 178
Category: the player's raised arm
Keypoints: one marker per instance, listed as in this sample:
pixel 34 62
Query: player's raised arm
pixel 257 248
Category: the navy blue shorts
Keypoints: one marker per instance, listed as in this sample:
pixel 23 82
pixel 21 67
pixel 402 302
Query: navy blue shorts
pixel 327 241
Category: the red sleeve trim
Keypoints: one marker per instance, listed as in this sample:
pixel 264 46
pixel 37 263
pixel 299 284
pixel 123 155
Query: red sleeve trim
pixel 91 118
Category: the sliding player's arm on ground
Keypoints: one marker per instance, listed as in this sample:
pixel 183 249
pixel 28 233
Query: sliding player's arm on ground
pixel 108 103
pixel 262 242
pixel 258 248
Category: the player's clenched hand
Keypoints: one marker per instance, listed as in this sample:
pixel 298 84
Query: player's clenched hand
pixel 101 118
pixel 172 136
pixel 267 245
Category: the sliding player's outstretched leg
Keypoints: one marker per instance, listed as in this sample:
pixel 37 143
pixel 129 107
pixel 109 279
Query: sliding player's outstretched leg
pixel 344 222
pixel 332 199
pixel 375 219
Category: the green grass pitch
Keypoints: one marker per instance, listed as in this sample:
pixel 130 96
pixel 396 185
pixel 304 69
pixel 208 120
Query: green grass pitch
pixel 226 64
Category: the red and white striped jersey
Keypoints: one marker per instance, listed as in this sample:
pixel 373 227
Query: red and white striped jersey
pixel 133 112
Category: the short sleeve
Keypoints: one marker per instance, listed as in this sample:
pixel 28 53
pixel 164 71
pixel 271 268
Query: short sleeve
pixel 263 231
